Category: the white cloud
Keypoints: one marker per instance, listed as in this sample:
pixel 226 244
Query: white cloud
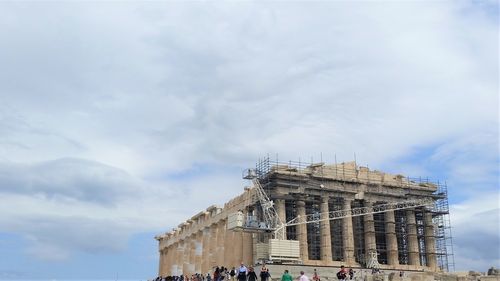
pixel 476 228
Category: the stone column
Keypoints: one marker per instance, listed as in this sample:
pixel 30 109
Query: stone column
pixel 205 256
pixel 430 242
pixel 180 257
pixel 247 256
pixel 411 225
pixel 302 230
pixel 229 257
pixel 192 253
pixel 369 226
pixel 213 246
pixel 187 251
pixel 167 261
pixel 281 210
pixel 326 239
pixel 348 235
pixel 172 267
pixel 198 252
pixel 221 233
pixel 162 262
pixel 238 247
pixel 391 239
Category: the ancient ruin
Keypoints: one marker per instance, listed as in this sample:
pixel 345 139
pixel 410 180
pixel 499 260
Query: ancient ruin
pixel 330 215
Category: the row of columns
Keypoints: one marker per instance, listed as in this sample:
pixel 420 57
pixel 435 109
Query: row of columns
pixel 202 251
pixel 369 234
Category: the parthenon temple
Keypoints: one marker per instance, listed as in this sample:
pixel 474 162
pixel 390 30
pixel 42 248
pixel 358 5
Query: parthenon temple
pixel 401 239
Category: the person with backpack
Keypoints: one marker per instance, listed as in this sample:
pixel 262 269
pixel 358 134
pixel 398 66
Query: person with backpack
pixel 342 274
pixel 222 273
pixel 232 273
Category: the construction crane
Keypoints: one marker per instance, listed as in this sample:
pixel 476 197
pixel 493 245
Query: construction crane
pixel 279 248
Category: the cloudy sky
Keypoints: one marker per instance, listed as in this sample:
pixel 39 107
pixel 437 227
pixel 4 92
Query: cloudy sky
pixel 120 120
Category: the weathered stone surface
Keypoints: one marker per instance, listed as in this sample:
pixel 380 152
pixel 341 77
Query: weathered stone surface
pixel 203 241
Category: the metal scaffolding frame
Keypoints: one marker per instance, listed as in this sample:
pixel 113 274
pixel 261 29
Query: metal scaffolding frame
pixel 442 230
pixel 336 230
pixel 358 225
pixel 440 214
pixel 313 230
pixel 402 237
pixel 380 237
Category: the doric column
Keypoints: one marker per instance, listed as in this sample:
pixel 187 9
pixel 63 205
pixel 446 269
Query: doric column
pixel 369 226
pixel 348 235
pixel 302 230
pixel 192 253
pixel 326 239
pixel 171 258
pixel 198 252
pixel 205 256
pixel 187 251
pixel 221 233
pixel 179 258
pixel 281 210
pixel 247 256
pixel 229 255
pixel 162 262
pixel 391 239
pixel 412 238
pixel 229 249
pixel 213 246
pixel 167 265
pixel 430 242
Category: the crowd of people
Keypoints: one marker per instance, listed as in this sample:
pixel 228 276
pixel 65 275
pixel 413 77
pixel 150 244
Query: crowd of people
pixel 243 273
pixel 220 273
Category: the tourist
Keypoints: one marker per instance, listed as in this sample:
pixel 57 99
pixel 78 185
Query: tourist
pixel 342 274
pixel 303 277
pixel 351 273
pixel 232 273
pixel 286 276
pixel 222 273
pixel 264 273
pixel 251 276
pixel 216 274
pixel 316 276
pixel 242 272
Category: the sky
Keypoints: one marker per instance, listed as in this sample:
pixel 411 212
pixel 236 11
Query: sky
pixel 119 120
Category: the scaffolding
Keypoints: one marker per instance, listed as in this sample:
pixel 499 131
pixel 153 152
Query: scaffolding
pixel 359 234
pixel 313 231
pixel 309 175
pixel 380 237
pixel 442 230
pixel 336 230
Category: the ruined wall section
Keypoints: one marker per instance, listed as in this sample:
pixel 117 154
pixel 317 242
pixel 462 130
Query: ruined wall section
pixel 202 242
